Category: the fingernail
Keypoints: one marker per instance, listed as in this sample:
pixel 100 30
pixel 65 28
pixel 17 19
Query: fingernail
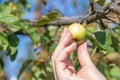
pixel 64 31
pixel 75 44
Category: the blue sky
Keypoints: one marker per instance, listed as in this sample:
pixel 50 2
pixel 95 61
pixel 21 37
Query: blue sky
pixel 66 7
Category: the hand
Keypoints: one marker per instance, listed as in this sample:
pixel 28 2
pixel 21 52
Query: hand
pixel 62 64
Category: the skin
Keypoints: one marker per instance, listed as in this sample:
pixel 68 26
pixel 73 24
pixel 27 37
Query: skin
pixel 62 64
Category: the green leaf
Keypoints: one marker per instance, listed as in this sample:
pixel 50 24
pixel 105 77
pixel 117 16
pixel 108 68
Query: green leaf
pixel 115 34
pixel 24 66
pixel 8 19
pixel 104 41
pixel 13 45
pixel 1 65
pixel 31 31
pixel 52 48
pixel 3 42
pixel 50 17
pixel 5 15
pixel 115 44
pixel 5 8
pixel 95 0
pixel 16 26
pixel 13 40
pixel 115 72
pixel 102 2
pixel 117 29
pixel 90 30
pixel 100 36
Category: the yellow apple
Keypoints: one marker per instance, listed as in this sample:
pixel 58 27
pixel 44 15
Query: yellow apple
pixel 78 31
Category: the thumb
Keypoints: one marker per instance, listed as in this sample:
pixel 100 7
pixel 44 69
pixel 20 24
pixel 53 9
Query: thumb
pixel 83 55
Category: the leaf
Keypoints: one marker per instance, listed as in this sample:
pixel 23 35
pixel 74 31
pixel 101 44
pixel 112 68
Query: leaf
pixel 115 44
pixel 13 45
pixel 8 19
pixel 95 0
pixel 13 40
pixel 100 36
pixel 1 65
pixel 56 40
pixel 3 42
pixel 90 30
pixel 5 15
pixel 5 8
pixel 115 72
pixel 24 66
pixel 50 17
pixel 52 48
pixel 104 41
pixel 16 26
pixel 31 31
pixel 103 2
pixel 117 29
pixel 115 35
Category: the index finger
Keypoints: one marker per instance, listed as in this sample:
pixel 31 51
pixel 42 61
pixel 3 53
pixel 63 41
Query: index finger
pixel 65 39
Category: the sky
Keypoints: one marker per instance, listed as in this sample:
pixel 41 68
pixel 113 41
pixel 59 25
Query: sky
pixel 65 7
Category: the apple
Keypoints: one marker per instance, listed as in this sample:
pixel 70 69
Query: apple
pixel 78 31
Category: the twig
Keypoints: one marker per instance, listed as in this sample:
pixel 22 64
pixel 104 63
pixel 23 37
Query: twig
pixel 93 52
pixel 103 24
pixel 112 20
pixel 92 7
pixel 118 17
pixel 89 19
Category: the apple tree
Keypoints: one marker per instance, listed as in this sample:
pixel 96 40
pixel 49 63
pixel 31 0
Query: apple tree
pixel 102 24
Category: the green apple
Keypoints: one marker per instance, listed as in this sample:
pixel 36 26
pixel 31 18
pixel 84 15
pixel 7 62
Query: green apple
pixel 78 31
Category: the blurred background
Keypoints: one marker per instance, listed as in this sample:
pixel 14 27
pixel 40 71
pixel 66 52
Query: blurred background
pixel 40 69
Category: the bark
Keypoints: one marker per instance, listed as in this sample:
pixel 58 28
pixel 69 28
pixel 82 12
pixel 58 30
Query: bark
pixel 112 7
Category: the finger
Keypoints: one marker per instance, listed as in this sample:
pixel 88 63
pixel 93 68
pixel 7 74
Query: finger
pixel 66 38
pixel 83 55
pixel 64 55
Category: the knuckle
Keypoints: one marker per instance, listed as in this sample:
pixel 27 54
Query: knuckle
pixel 66 50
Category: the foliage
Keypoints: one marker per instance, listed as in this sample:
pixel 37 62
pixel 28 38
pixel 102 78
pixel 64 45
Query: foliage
pixel 105 41
pixel 11 24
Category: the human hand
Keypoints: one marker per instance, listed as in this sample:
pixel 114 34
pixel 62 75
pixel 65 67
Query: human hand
pixel 62 64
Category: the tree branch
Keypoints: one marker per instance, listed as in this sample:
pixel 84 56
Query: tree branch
pixel 93 17
pixel 89 19
pixel 112 20
pixel 92 6
pixel 112 7
pixel 65 21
